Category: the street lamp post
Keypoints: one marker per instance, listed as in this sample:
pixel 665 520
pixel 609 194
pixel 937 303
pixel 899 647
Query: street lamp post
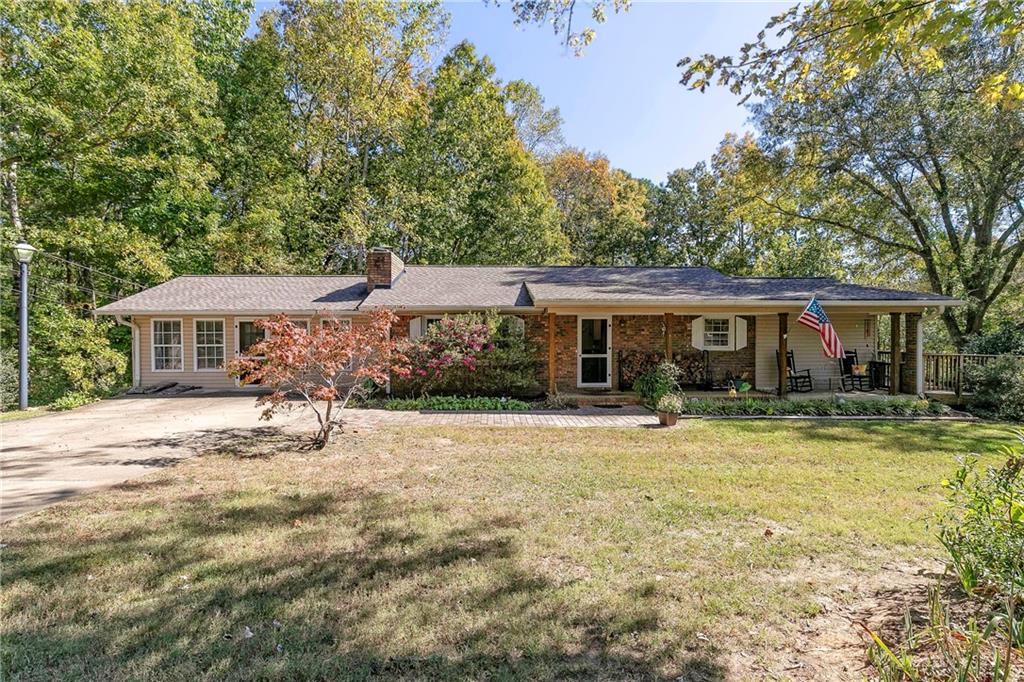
pixel 23 253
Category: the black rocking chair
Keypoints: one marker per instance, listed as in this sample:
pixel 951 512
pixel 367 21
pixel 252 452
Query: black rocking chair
pixel 851 381
pixel 800 380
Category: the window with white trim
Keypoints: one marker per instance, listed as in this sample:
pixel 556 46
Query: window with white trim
pixel 301 324
pixel 717 332
pixel 168 349
pixel 209 338
pixel 430 320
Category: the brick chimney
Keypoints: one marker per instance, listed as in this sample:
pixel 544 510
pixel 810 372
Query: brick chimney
pixel 382 268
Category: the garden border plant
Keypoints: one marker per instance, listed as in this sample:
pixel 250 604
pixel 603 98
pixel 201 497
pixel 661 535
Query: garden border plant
pixel 449 403
pixel 761 407
pixel 982 530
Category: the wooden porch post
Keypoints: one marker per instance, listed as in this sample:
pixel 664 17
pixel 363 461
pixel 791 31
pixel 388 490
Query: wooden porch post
pixel 919 356
pixel 552 355
pixel 783 349
pixel 668 336
pixel 894 353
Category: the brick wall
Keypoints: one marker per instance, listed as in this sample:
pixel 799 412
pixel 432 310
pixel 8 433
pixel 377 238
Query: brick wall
pixel 565 349
pixel 629 332
pixel 644 333
pixel 740 363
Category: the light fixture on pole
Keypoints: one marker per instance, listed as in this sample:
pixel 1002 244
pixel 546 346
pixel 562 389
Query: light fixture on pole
pixel 23 253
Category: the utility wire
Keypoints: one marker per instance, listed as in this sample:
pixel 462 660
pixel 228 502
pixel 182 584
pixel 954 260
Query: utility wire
pixel 89 268
pixel 61 283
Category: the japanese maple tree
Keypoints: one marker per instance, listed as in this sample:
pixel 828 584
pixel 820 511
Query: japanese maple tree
pixel 326 365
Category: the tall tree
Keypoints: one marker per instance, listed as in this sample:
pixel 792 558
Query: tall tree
pixel 540 129
pixel 687 220
pixel 260 184
pixel 912 163
pixel 105 120
pixel 603 209
pixel 471 191
pixel 354 74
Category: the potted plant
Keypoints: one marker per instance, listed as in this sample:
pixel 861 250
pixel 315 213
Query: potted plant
pixel 669 407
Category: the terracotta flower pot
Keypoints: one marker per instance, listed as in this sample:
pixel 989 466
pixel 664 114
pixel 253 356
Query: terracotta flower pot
pixel 667 418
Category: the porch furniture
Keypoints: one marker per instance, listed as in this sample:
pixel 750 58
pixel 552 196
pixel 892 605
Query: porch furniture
pixel 800 380
pixel 878 370
pixel 853 375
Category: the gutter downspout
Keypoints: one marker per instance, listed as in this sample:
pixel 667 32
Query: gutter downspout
pixel 136 374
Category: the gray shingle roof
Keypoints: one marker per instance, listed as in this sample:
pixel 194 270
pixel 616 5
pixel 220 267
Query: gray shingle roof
pixel 824 288
pixel 456 287
pixel 243 293
pixel 479 287
pixel 508 287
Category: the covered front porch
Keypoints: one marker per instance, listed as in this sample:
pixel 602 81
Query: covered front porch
pixel 595 355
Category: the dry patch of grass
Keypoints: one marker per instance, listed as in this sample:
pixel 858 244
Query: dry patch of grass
pixel 17 415
pixel 699 553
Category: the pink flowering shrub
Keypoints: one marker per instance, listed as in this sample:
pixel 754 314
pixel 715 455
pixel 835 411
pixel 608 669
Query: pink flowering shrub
pixel 470 354
pixel 450 342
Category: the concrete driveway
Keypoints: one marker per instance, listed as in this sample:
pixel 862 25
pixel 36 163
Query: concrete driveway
pixel 47 459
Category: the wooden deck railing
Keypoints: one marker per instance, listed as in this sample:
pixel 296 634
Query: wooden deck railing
pixel 945 371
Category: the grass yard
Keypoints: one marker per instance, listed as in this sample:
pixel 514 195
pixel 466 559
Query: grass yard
pixel 717 550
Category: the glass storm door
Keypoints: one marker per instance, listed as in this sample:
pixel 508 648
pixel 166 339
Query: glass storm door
pixel 594 354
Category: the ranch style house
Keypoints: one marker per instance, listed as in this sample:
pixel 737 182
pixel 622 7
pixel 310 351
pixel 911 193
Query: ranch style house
pixel 592 326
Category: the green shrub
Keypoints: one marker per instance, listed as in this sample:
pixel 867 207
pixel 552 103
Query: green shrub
pixel 997 389
pixel 8 378
pixel 70 401
pixel 756 407
pixel 654 383
pixel 983 526
pixel 72 355
pixel 1006 337
pixel 452 403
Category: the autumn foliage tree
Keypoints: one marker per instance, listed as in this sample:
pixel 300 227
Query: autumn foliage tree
pixel 326 365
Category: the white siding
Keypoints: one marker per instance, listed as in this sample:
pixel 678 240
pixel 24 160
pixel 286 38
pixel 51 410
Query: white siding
pixel 856 331
pixel 205 379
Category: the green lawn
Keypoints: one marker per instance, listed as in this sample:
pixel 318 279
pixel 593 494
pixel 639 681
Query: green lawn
pixel 475 553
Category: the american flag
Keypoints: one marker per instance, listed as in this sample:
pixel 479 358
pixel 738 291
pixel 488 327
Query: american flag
pixel 814 317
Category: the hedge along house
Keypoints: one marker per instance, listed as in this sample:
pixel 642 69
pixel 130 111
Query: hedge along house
pixel 593 327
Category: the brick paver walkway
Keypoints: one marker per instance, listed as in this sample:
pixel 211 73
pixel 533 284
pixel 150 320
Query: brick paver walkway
pixel 627 416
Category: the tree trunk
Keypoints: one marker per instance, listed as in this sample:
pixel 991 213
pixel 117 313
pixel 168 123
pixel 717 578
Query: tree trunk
pixel 324 435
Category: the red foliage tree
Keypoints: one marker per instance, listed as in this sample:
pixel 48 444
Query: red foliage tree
pixel 326 366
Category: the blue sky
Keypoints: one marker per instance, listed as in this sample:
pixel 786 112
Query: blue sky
pixel 623 97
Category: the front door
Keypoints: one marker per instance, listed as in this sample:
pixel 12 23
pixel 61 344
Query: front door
pixel 594 354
